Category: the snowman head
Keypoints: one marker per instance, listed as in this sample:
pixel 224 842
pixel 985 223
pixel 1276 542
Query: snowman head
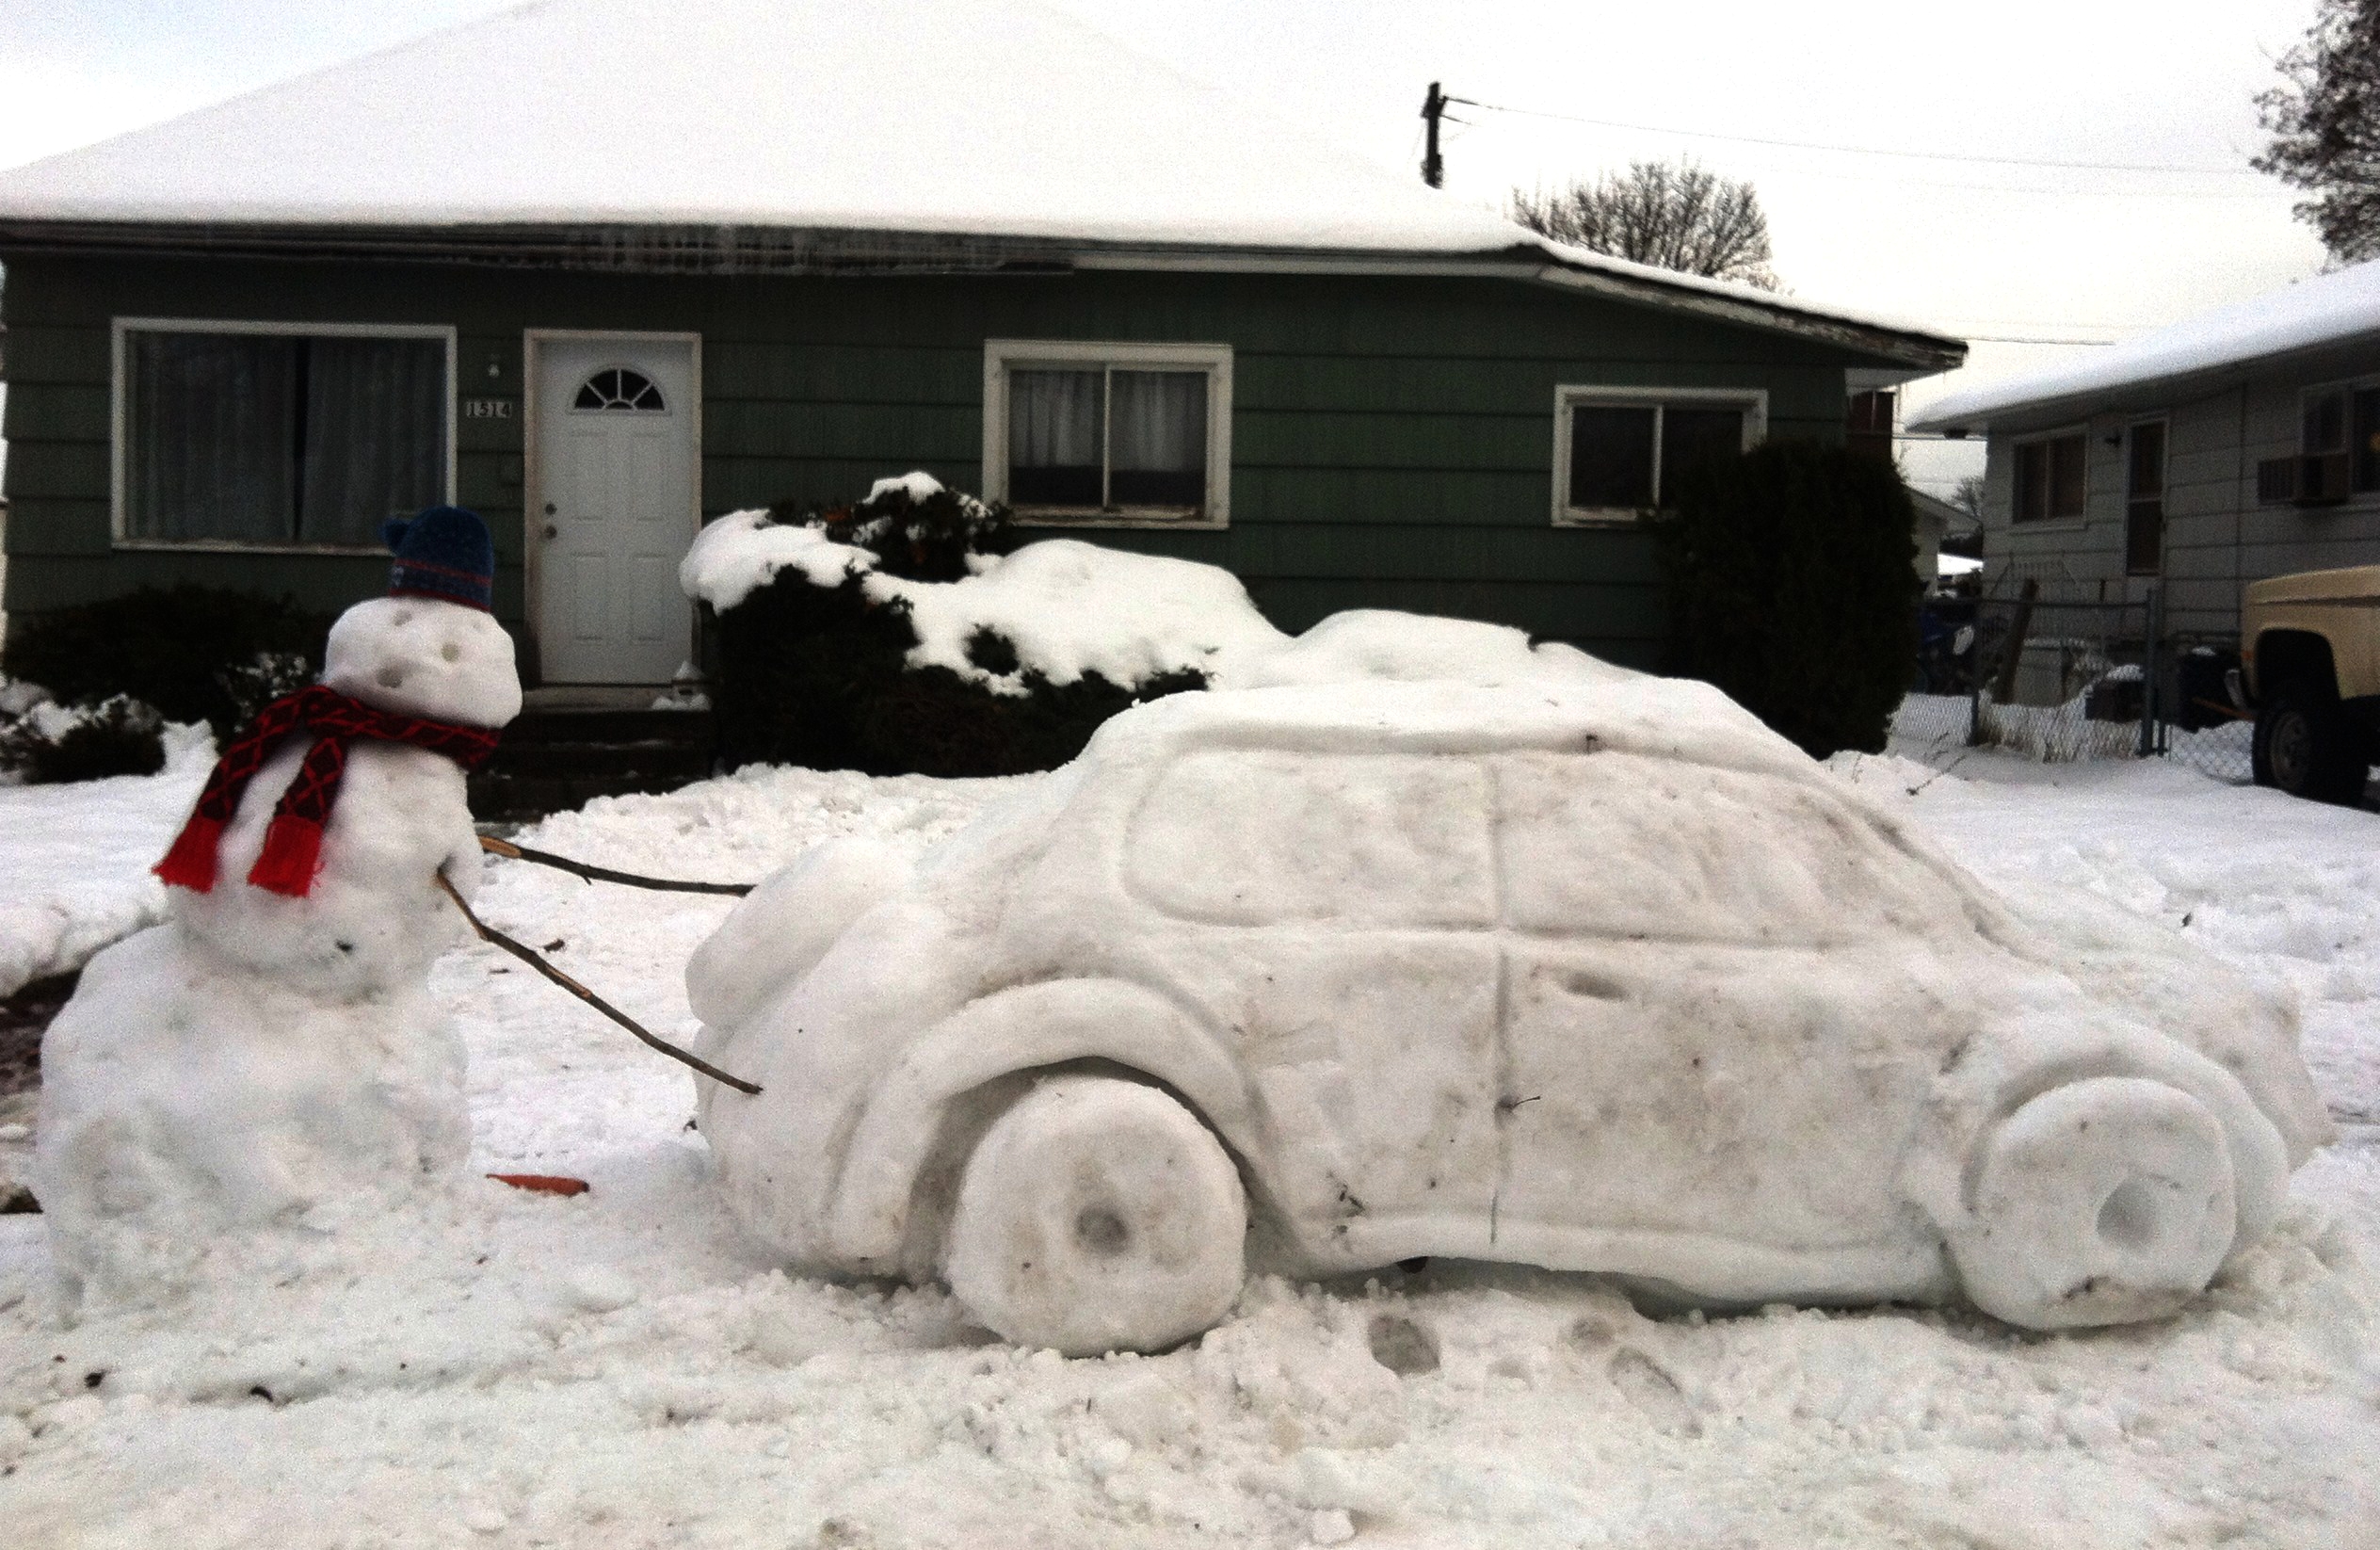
pixel 430 647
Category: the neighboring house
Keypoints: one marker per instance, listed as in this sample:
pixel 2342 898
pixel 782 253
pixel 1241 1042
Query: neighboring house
pixel 2242 444
pixel 1936 519
pixel 600 276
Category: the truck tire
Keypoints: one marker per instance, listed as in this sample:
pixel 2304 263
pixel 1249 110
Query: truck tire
pixel 2306 745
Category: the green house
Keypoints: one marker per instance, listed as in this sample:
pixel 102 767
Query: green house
pixel 601 279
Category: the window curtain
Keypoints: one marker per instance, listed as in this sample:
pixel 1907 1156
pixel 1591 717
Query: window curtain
pixel 210 437
pixel 1053 438
pixel 374 435
pixel 1157 439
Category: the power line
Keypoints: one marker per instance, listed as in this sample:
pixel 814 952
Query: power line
pixel 1865 149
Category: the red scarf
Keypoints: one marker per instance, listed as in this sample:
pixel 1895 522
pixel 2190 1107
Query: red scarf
pixel 293 842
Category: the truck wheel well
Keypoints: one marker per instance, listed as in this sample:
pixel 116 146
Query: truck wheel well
pixel 2286 655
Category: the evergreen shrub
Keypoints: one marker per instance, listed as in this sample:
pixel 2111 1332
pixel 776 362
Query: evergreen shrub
pixel 819 676
pixel 50 746
pixel 196 654
pixel 1793 587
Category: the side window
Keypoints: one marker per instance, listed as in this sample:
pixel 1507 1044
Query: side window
pixel 1621 452
pixel 1259 837
pixel 1619 845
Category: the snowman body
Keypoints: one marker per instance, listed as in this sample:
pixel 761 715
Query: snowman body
pixel 263 1064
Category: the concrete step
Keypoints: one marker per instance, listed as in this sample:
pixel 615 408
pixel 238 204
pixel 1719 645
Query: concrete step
pixel 563 752
pixel 609 726
pixel 690 759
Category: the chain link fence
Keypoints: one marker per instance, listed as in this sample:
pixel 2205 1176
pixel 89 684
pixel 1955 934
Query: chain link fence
pixel 2059 669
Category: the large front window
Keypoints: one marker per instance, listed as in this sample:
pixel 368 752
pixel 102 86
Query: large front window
pixel 275 436
pixel 1108 433
pixel 1620 452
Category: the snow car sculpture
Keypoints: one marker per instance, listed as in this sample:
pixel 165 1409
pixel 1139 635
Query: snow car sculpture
pixel 1598 977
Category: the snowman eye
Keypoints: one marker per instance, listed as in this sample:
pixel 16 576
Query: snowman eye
pixel 403 616
pixel 451 652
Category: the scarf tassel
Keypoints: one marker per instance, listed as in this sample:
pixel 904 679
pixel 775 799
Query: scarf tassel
pixel 291 856
pixel 191 862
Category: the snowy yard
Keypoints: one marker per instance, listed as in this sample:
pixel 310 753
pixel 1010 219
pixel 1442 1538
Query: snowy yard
pixel 618 1369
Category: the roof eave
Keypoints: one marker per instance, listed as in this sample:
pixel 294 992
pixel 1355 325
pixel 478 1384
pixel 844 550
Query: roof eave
pixel 2140 393
pixel 748 249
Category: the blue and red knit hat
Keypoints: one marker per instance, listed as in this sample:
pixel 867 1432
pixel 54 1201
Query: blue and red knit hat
pixel 445 552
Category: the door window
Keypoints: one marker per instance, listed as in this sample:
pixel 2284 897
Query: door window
pixel 1619 845
pixel 1262 836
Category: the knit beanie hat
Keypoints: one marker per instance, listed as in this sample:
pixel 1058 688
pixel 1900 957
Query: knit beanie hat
pixel 445 552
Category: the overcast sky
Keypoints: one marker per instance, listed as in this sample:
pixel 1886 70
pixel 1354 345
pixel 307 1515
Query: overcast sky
pixel 1989 249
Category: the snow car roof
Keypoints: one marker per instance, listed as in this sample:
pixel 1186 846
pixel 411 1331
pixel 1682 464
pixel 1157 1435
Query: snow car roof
pixel 805 133
pixel 2326 309
pixel 1633 713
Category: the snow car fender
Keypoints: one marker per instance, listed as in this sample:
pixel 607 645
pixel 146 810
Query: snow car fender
pixel 1979 1089
pixel 779 931
pixel 1008 1032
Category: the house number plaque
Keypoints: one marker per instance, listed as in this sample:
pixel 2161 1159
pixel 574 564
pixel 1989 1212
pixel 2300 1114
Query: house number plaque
pixel 488 409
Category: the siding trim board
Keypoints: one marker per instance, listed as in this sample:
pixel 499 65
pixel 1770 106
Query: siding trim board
pixel 119 380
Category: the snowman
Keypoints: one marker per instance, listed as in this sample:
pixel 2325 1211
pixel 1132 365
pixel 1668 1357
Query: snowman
pixel 268 1063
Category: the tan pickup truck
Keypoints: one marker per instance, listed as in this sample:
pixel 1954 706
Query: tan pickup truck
pixel 2310 651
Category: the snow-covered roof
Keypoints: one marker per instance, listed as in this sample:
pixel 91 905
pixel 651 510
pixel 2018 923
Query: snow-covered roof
pixel 962 121
pixel 2326 309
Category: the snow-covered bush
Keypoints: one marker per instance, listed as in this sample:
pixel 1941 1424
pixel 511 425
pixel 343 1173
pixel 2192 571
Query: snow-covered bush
pixel 51 743
pixel 196 654
pixel 891 638
pixel 1791 587
pixel 913 525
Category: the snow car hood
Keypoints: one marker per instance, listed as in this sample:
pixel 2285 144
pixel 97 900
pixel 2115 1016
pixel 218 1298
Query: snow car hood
pixel 2249 1026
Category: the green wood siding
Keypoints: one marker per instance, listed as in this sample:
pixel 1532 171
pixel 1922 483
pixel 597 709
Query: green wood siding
pixel 1391 437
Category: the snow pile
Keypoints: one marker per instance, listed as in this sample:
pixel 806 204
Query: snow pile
pixel 497 1368
pixel 1381 644
pixel 1072 608
pixel 261 1069
pixel 74 864
pixel 2327 308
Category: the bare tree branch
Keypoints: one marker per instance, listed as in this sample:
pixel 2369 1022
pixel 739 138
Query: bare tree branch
pixel 2324 119
pixel 1674 216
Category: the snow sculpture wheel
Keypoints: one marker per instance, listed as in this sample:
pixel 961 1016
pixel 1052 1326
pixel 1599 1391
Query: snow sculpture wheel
pixel 2104 1200
pixel 1098 1214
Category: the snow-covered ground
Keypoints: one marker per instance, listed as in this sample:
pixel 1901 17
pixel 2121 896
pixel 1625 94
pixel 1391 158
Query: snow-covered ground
pixel 619 1369
pixel 74 859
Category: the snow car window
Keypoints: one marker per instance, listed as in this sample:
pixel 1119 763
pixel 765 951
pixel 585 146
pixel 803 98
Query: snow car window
pixel 1621 845
pixel 1253 838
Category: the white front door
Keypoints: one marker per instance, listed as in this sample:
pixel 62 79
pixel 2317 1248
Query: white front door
pixel 614 505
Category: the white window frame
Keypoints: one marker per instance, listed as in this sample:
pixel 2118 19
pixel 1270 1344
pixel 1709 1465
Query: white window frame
pixel 2345 390
pixel 1001 356
pixel 1569 395
pixel 120 327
